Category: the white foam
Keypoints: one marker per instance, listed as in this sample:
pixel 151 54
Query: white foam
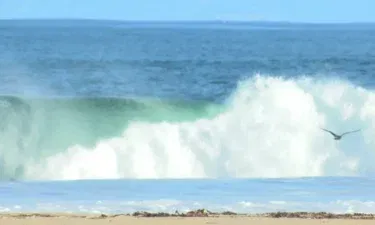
pixel 270 129
pixel 170 206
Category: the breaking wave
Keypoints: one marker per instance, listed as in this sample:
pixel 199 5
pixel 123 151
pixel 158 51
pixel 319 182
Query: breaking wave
pixel 268 127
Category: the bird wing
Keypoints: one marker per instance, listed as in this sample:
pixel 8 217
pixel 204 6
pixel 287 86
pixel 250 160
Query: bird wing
pixel 330 132
pixel 350 132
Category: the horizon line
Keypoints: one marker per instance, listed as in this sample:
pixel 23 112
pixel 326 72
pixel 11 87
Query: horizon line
pixel 189 21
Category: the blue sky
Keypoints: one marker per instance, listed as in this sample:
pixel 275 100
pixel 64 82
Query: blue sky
pixel 272 10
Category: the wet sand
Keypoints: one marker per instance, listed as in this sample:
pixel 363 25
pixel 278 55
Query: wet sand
pixel 195 218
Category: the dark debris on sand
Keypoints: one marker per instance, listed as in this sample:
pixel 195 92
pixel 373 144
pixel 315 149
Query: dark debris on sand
pixel 301 215
pixel 207 213
pixel 319 215
pixel 194 213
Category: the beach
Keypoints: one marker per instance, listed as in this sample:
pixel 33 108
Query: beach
pixel 57 219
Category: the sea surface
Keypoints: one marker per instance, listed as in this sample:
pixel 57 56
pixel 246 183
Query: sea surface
pixel 115 117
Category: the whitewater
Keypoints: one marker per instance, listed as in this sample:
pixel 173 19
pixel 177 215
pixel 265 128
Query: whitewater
pixel 268 127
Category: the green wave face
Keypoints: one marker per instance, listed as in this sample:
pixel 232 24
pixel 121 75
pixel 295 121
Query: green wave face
pixel 37 128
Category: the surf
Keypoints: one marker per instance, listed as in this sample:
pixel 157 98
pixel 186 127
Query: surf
pixel 268 127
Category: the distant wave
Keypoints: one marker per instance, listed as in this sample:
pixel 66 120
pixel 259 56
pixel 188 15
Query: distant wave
pixel 268 127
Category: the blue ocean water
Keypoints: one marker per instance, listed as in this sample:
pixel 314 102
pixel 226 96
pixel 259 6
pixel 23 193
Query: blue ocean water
pixel 107 116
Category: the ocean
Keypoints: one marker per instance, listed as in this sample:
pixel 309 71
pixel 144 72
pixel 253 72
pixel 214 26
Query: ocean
pixel 115 117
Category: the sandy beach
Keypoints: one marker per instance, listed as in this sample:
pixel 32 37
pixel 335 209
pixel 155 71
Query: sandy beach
pixel 57 219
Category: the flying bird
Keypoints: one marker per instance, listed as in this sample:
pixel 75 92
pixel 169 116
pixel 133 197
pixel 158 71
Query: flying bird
pixel 338 137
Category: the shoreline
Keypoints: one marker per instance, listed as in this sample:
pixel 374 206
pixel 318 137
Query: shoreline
pixel 200 213
pixel 194 218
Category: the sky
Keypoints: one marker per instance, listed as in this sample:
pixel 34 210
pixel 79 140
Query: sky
pixel 315 11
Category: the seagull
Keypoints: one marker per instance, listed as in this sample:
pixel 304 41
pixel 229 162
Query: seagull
pixel 338 137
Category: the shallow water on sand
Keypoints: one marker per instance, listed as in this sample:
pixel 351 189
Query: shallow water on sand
pixel 331 194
